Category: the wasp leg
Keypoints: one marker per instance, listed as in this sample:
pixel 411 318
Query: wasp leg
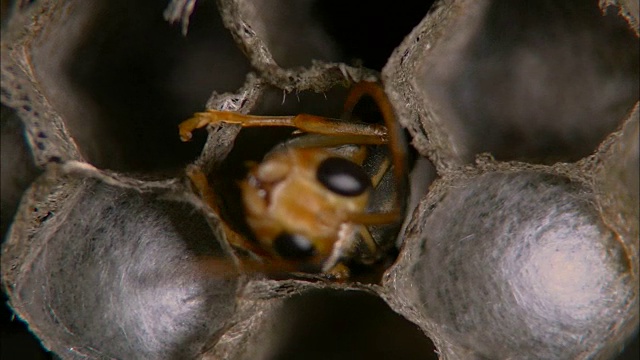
pixel 376 133
pixel 334 266
pixel 396 140
pixel 227 269
pixel 377 177
pixel 217 268
pixel 368 240
pixel 206 192
pixel 377 218
pixel 339 272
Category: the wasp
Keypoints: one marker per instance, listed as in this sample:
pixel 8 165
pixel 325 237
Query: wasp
pixel 332 194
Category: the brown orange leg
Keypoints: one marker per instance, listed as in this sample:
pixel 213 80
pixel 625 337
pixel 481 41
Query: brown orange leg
pixel 368 239
pixel 397 142
pixel 377 177
pixel 375 134
pixel 375 218
pixel 339 272
pixel 206 193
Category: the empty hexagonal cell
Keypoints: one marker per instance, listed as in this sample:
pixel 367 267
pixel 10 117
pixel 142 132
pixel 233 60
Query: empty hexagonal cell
pixel 122 78
pixel 368 33
pixel 553 88
pixel 296 34
pixel 18 169
pixel 540 82
pixel 111 272
pixel 521 265
pixel 330 324
pixel 290 31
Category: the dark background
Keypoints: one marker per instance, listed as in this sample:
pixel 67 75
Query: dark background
pixel 363 32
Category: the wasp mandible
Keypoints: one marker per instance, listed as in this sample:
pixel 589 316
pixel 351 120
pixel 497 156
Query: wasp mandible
pixel 316 202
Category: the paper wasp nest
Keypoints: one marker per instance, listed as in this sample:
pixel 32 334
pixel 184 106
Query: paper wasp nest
pixel 529 253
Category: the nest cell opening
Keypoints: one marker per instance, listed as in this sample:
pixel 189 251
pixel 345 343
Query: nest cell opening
pixel 326 324
pixel 123 78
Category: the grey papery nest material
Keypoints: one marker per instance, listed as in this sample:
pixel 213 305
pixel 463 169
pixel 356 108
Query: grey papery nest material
pixel 529 252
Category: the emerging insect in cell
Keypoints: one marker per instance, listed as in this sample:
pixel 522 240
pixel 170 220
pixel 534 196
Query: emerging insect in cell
pixel 330 196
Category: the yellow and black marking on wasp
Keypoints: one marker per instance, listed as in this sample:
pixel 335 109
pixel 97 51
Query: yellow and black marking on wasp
pixel 332 195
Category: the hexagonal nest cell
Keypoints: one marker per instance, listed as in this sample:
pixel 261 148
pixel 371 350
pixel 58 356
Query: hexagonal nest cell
pixel 520 230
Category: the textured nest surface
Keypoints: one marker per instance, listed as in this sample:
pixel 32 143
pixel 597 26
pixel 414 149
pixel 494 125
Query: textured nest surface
pixel 522 241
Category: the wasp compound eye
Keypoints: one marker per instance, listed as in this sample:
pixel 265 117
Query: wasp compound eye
pixel 343 177
pixel 293 246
